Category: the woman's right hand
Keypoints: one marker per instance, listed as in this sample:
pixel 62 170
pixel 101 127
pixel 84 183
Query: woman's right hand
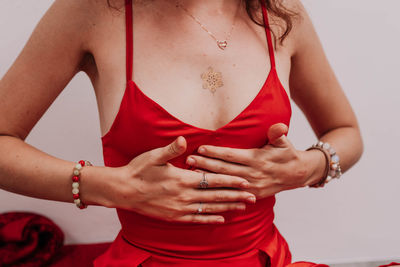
pixel 152 186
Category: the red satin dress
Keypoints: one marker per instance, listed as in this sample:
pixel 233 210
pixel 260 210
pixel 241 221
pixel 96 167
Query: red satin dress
pixel 247 238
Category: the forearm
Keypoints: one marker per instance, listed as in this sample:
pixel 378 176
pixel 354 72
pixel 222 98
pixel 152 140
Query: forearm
pixel 28 171
pixel 348 144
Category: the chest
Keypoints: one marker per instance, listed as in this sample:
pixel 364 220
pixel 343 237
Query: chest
pixel 182 70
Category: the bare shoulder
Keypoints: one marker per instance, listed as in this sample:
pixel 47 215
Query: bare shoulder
pixel 81 17
pixel 303 32
pixel 72 15
pixel 51 57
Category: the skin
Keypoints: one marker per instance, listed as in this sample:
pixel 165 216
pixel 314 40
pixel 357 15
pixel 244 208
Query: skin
pixel 94 42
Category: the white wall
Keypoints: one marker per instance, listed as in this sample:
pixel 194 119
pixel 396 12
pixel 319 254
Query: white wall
pixel 354 218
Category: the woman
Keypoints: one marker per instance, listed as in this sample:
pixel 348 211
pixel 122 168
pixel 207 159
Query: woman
pixel 194 140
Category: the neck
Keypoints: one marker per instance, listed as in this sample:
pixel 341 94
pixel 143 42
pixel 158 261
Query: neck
pixel 210 7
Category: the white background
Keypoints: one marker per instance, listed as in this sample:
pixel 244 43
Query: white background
pixel 355 218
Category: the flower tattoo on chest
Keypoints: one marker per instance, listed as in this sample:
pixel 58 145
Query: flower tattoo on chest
pixel 212 79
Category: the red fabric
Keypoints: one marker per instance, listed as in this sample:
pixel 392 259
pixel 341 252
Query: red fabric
pixel 390 264
pixel 78 255
pixel 28 239
pixel 247 238
pixel 306 264
pixel 83 254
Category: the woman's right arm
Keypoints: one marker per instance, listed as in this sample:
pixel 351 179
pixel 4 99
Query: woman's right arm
pixel 52 56
pixel 54 53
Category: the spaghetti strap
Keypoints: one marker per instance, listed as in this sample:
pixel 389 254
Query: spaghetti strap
pixel 129 39
pixel 268 33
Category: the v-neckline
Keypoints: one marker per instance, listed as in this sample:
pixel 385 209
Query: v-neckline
pixel 130 81
pixel 212 131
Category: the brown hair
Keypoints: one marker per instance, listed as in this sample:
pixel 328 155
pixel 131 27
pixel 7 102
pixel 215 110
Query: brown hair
pixel 275 8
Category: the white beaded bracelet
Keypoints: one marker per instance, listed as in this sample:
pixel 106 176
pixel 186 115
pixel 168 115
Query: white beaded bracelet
pixel 76 183
pixel 334 169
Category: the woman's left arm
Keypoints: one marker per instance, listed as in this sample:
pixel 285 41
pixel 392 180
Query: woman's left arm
pixel 317 92
pixel 314 88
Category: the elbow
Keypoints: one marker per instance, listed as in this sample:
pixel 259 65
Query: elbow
pixel 357 146
pixel 361 145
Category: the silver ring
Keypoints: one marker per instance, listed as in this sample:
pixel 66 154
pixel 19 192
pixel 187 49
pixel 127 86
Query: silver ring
pixel 199 209
pixel 204 183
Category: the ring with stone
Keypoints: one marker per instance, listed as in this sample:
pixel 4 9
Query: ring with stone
pixel 200 210
pixel 204 183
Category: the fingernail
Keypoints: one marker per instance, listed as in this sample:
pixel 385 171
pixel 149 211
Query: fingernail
pixel 245 184
pixel 241 207
pixel 190 161
pixel 251 199
pixel 201 150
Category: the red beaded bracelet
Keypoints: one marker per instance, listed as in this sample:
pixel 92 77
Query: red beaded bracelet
pixel 76 183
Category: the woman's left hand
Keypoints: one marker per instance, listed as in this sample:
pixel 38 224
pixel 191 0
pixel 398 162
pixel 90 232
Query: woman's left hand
pixel 276 167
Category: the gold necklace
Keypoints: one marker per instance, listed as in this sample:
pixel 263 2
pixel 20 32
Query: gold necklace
pixel 221 44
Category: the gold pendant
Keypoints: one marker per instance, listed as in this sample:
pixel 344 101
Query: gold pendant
pixel 212 80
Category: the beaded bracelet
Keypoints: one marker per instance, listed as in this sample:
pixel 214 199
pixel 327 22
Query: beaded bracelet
pixel 76 183
pixel 332 169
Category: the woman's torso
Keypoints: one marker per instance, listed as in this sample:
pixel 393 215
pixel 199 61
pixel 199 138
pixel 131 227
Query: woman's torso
pixel 164 99
pixel 170 53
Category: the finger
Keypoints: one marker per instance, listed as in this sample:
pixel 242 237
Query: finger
pixel 276 135
pixel 219 166
pixel 221 195
pixel 216 180
pixel 203 219
pixel 172 150
pixel 237 155
pixel 215 207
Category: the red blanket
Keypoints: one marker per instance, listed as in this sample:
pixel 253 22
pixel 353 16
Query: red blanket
pixel 28 239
